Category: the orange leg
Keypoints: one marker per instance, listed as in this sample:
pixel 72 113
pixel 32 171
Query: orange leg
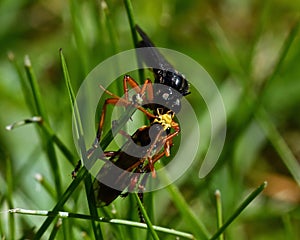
pixel 113 101
pixel 132 83
pixel 138 166
pixel 167 146
pixel 116 100
pixel 147 87
pixel 166 150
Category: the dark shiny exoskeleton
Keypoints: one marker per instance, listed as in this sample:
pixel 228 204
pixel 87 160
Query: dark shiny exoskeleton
pixel 121 161
pixel 164 73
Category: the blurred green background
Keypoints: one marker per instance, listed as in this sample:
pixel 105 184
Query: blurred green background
pixel 250 48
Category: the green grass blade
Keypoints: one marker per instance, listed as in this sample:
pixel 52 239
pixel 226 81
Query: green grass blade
pixel 195 223
pixel 10 184
pixel 46 185
pixel 146 217
pixel 219 212
pixel 132 24
pixel 253 106
pixel 282 55
pixel 60 214
pixel 24 84
pixel 67 78
pixel 83 172
pixel 225 49
pixel 72 98
pixel 55 229
pixel 92 207
pixel 149 205
pixel 273 135
pixel 79 35
pixel 62 200
pixel 182 206
pixel 46 139
pixel 39 106
pixel 290 234
pixel 63 148
pixel 279 144
pixel 87 180
pixel 110 28
pixel 239 210
pixel 129 10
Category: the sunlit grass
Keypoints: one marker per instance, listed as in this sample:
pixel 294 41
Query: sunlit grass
pixel 235 47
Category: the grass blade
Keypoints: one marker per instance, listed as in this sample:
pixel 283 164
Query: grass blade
pixel 279 144
pixel 239 210
pixel 283 53
pixel 10 186
pixel 219 212
pixel 39 106
pixel 146 217
pixel 106 220
pixel 87 180
pixel 62 200
pixel 78 125
pixel 46 139
pixel 131 20
pixel 83 172
pixel 182 206
pixel 24 84
pixel 132 24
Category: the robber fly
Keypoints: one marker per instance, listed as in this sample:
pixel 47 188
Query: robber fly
pixel 121 168
pixel 139 153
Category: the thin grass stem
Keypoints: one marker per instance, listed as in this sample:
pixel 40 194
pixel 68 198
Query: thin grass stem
pixel 132 24
pixel 40 111
pixel 83 172
pixel 10 184
pixel 61 214
pixel 219 212
pixel 47 186
pixel 182 206
pixel 130 15
pixel 79 131
pixel 279 144
pixel 239 210
pixel 146 217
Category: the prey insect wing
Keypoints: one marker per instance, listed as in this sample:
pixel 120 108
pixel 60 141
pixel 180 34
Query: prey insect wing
pixel 119 171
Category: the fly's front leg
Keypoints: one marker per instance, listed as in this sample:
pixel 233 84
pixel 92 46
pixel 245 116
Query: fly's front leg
pixel 139 99
pixel 133 84
pixel 116 100
pixel 113 101
pixel 146 88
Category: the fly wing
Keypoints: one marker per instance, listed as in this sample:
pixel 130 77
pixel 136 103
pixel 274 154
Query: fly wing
pixel 152 57
pixel 163 71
